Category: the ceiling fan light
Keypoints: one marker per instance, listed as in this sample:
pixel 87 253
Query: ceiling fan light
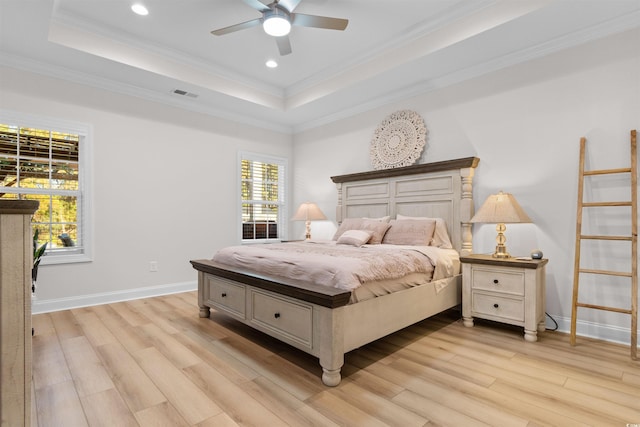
pixel 276 25
pixel 139 9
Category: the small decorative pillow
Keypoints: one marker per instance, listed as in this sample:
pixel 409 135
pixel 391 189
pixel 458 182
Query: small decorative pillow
pixel 410 232
pixel 377 228
pixel 440 236
pixel 354 237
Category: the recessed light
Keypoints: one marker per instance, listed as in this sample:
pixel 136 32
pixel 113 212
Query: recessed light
pixel 271 63
pixel 140 9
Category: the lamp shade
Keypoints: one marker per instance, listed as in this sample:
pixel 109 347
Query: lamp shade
pixel 501 208
pixel 308 212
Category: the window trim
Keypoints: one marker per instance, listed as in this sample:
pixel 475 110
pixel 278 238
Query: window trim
pixel 85 131
pixel 282 213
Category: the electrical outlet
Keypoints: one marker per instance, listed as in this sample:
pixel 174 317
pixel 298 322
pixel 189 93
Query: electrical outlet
pixel 153 266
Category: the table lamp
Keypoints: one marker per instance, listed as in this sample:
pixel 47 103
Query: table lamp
pixel 499 209
pixel 308 212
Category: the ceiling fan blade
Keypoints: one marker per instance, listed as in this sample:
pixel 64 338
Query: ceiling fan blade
pixel 284 45
pixel 319 21
pixel 237 27
pixel 257 5
pixel 289 4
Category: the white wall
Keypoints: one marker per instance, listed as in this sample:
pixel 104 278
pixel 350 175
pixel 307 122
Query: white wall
pixel 164 188
pixel 524 123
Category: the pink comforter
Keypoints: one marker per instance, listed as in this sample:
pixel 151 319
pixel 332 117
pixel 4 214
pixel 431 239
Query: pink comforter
pixel 329 264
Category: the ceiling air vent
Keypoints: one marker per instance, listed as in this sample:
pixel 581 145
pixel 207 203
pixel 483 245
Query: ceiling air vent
pixel 184 93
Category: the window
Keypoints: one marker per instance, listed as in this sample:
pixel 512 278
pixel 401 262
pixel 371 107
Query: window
pixel 262 194
pixel 45 160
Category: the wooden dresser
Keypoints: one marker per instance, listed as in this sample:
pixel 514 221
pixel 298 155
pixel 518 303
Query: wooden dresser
pixel 16 261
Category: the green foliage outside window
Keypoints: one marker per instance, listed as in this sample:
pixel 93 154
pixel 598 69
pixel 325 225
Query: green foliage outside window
pixel 42 165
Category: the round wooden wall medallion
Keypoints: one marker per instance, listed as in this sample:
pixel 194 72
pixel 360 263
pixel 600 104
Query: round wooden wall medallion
pixel 398 141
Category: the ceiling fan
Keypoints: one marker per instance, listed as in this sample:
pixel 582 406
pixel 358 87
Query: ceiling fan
pixel 277 19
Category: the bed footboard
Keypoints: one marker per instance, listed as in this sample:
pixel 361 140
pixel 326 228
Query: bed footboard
pixel 311 327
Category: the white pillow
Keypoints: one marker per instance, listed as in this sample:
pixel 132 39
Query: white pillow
pixel 440 236
pixel 354 237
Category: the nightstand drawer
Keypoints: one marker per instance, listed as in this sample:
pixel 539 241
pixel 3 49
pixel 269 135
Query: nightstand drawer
pixel 496 280
pixel 227 295
pixel 287 319
pixel 493 306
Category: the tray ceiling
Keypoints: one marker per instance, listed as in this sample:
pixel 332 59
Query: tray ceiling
pixel 390 50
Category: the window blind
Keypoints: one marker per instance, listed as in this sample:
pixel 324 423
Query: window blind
pixel 262 194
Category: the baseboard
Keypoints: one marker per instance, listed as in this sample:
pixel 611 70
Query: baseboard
pixel 599 331
pixel 39 306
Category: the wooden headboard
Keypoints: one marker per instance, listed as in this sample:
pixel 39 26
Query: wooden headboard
pixel 436 190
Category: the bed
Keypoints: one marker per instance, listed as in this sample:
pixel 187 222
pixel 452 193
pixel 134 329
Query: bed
pixel 327 321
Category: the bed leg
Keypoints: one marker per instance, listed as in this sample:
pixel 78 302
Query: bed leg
pixel 331 377
pixel 330 341
pixel 203 294
pixel 467 321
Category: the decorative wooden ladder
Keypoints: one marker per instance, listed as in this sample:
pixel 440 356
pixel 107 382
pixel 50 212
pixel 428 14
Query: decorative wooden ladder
pixel 633 238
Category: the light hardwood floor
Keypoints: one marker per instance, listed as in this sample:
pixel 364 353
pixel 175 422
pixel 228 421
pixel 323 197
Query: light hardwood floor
pixel 154 362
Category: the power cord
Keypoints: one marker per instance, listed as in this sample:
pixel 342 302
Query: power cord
pixel 554 322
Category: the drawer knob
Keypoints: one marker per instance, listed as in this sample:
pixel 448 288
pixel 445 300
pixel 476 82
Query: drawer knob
pixel 495 281
pixel 224 294
pixel 276 315
pixel 496 305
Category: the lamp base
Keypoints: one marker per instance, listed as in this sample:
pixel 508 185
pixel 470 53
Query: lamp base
pixel 501 248
pixel 501 252
pixel 308 230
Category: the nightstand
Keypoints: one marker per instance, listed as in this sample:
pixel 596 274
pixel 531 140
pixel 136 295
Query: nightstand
pixel 505 290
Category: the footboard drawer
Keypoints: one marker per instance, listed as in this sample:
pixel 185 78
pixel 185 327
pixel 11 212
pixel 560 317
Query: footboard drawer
pixel 226 295
pixel 290 320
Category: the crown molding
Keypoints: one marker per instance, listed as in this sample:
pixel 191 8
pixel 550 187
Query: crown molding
pixel 458 11
pixel 85 25
pixel 616 26
pixel 37 67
